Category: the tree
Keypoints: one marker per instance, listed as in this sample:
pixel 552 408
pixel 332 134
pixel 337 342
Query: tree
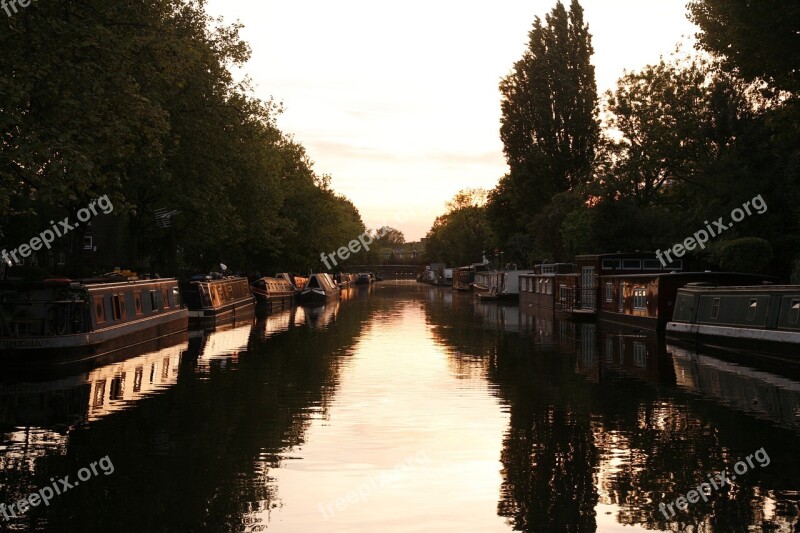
pixel 137 101
pixel 462 234
pixel 549 124
pixel 666 125
pixel 392 236
pixel 758 40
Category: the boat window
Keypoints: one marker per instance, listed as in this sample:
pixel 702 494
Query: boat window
pixel 137 298
pixel 153 301
pixel 640 299
pixel 117 389
pixel 313 283
pixel 176 296
pixel 751 312
pixel 652 264
pixel 794 312
pixel 715 309
pixel 118 306
pixel 632 264
pixel 610 264
pixel 563 294
pixel 100 309
pixel 609 291
pixel 166 297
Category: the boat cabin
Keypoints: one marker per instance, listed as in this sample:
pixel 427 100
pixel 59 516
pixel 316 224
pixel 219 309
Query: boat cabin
pixel 94 315
pixel 647 301
pixel 758 317
pixel 215 299
pixel 550 286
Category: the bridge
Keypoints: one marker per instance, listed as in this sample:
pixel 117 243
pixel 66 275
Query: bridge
pixel 401 271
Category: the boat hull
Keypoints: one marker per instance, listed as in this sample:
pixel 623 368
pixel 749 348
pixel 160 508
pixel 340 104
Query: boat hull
pixel 91 345
pixel 781 344
pixel 317 295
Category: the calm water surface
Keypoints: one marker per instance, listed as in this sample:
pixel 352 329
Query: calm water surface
pixel 404 408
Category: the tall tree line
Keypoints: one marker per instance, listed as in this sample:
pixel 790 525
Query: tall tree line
pixel 674 144
pixel 136 100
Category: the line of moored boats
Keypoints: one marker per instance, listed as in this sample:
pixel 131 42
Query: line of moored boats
pixel 74 320
pixel 745 312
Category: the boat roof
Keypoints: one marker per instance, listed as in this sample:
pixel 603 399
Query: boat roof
pixel 66 282
pixel 705 274
pixel 705 287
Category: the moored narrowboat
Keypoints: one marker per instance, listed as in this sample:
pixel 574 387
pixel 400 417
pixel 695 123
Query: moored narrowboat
pixel 297 281
pixel 344 280
pixel 464 277
pixel 273 292
pixel 504 286
pixel 647 301
pixel 64 320
pixel 363 278
pixel 215 299
pixel 483 282
pixel 591 270
pixel 551 286
pixel 320 288
pixel 761 319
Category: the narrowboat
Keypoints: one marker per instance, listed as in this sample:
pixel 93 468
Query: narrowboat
pixel 344 280
pixel 274 292
pixel 297 281
pixel 320 288
pixel 64 320
pixel 551 286
pixel 215 299
pixel 504 286
pixel 483 282
pixel 647 301
pixel 591 269
pixel 464 277
pixel 445 277
pixel 362 279
pixel 764 319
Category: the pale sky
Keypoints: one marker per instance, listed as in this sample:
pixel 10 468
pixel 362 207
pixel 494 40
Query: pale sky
pixel 399 102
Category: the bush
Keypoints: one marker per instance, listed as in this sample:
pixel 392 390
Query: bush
pixel 748 254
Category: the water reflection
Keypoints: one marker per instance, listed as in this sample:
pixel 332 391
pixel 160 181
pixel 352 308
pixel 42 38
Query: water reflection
pixel 756 392
pixel 606 424
pixel 527 422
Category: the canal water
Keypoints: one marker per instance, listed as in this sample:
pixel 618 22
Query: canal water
pixel 404 408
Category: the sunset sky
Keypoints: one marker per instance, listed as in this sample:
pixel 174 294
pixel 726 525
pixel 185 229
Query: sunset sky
pixel 399 103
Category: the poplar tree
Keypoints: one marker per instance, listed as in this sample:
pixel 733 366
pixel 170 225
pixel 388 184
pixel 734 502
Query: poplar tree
pixel 549 125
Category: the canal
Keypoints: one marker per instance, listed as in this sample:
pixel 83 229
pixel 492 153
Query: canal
pixel 404 408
